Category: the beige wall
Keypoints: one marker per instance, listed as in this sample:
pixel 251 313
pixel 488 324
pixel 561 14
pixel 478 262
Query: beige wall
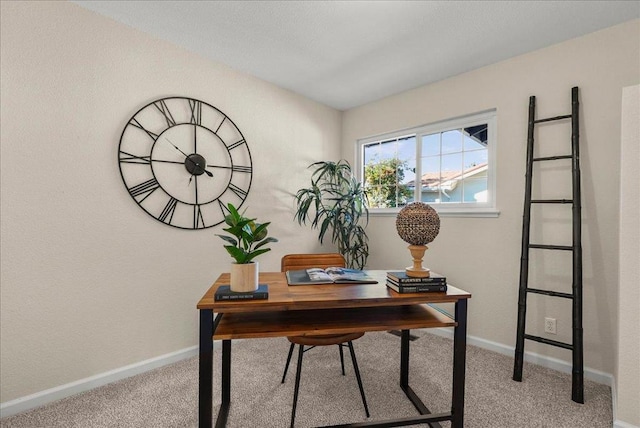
pixel 90 282
pixel 482 255
pixel 627 370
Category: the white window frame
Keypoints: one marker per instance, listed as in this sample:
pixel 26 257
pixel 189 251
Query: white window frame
pixel 477 209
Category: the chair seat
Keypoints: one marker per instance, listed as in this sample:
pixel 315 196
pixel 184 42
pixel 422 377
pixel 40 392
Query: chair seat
pixel 324 339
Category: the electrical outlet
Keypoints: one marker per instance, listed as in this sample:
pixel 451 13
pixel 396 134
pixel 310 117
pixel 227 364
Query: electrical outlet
pixel 550 325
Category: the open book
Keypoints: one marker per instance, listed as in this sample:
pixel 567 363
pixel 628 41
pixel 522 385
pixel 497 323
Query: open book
pixel 330 275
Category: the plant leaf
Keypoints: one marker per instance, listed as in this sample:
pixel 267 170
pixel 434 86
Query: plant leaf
pixel 238 254
pixel 254 254
pixel 266 241
pixel 229 239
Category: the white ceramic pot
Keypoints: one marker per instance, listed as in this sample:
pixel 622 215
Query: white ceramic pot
pixel 244 277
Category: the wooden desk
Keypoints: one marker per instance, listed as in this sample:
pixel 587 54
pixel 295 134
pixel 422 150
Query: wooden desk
pixel 327 309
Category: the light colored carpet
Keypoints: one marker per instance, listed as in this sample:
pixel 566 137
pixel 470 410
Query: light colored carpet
pixel 168 396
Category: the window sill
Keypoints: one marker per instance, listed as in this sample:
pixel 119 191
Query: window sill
pixel 443 212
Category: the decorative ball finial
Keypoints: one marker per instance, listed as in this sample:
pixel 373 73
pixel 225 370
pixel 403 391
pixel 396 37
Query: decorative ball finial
pixel 418 224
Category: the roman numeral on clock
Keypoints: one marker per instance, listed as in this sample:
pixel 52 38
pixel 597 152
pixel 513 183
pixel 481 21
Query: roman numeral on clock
pixel 168 211
pixel 137 124
pixel 146 188
pixel 162 107
pixel 241 168
pixel 198 220
pixel 238 191
pixel 220 126
pixel 129 158
pixel 236 144
pixel 196 111
pixel 223 208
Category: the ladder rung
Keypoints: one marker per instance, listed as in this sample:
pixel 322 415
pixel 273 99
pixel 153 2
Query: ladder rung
pixel 550 293
pixel 549 119
pixel 549 341
pixel 552 201
pixel 548 158
pixel 552 247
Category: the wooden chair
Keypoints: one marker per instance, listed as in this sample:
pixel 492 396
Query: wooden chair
pixel 322 260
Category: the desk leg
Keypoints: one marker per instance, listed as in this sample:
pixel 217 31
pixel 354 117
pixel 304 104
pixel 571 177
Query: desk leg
pixel 226 371
pixel 404 378
pixel 205 387
pixel 404 359
pixel 226 384
pixel 459 363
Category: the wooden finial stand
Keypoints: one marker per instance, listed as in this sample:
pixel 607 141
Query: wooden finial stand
pixel 417 271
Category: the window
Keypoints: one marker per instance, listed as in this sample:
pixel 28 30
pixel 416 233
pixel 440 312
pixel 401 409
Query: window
pixel 449 165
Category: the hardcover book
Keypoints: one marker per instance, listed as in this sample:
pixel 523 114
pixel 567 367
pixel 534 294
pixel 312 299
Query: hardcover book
pixel 330 275
pixel 401 277
pixel 406 284
pixel 224 293
pixel 417 288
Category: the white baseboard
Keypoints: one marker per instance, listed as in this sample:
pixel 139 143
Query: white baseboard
pixel 617 423
pixel 41 398
pixel 621 424
pixel 541 360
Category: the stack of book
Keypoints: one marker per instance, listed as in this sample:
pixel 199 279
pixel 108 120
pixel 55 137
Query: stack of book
pixel 402 283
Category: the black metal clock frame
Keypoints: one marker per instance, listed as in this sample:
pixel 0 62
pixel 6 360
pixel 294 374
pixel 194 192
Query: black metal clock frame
pixel 152 124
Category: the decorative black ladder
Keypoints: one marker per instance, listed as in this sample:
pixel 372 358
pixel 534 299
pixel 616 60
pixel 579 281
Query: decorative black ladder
pixel 577 389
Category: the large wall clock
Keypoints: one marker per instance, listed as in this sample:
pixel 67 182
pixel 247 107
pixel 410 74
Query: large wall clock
pixel 182 160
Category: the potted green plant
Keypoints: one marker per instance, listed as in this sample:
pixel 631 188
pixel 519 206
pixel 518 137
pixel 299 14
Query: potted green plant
pixel 337 203
pixel 248 241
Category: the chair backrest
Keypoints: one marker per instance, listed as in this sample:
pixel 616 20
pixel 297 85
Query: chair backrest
pixel 306 261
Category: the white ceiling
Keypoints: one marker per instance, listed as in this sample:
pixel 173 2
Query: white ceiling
pixel 348 53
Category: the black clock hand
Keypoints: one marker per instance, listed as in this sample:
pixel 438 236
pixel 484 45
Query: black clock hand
pixel 188 158
pixel 196 186
pixel 185 155
pixel 195 148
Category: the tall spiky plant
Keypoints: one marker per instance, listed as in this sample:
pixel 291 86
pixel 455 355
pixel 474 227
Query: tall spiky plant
pixel 336 203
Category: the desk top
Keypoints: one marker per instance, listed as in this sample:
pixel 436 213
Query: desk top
pixel 283 297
